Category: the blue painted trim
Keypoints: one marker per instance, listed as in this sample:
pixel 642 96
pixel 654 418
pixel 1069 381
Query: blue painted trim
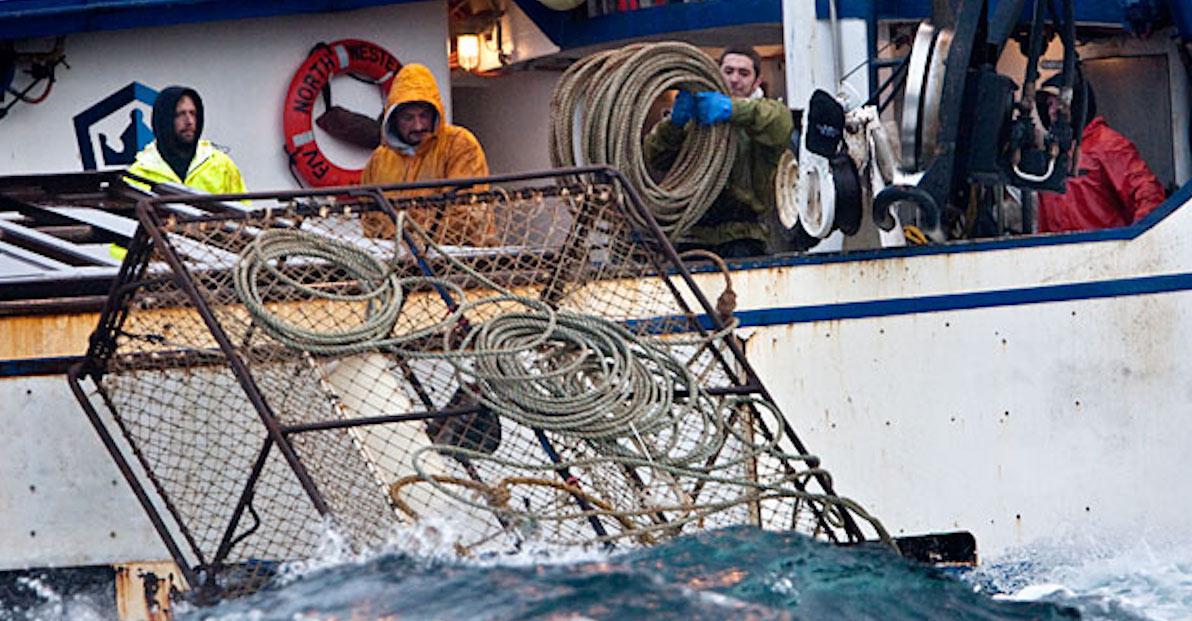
pixel 39 18
pixel 1091 11
pixel 20 19
pixel 1181 13
pixel 571 29
pixel 1144 285
pixel 549 21
pixel 1125 233
pixel 28 367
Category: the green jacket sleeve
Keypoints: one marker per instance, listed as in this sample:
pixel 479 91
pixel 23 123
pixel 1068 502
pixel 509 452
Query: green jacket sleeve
pixel 661 145
pixel 767 121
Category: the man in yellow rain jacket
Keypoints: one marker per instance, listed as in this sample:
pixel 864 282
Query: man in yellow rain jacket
pixel 417 144
pixel 177 154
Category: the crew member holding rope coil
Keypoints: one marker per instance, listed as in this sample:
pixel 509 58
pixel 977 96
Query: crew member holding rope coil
pixel 734 225
pixel 418 144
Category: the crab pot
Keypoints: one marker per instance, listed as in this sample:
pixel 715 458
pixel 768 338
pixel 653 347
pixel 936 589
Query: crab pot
pixel 507 362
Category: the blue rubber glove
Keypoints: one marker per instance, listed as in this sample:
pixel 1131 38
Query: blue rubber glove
pixel 712 108
pixel 683 109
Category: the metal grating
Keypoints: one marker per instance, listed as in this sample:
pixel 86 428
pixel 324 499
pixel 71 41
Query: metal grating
pixel 343 358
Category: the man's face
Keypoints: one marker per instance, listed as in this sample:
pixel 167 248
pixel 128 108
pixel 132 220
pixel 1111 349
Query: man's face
pixel 738 72
pixel 1053 107
pixel 415 123
pixel 185 119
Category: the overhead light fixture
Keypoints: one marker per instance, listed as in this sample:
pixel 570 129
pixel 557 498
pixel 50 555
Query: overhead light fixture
pixel 467 51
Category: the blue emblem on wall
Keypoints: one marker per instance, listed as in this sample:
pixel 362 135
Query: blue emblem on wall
pixel 134 103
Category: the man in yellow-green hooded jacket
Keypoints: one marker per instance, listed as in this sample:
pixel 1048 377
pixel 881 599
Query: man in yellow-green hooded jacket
pixel 177 154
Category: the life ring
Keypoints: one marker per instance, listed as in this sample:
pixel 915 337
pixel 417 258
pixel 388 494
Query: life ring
pixel 359 58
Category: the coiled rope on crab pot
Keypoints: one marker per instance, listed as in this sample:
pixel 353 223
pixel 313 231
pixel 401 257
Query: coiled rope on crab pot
pixel 625 395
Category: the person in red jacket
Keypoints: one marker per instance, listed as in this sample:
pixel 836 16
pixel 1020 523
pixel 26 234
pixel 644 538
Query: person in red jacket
pixel 1113 186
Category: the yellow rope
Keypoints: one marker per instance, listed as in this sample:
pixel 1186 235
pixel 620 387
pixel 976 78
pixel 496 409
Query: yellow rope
pixel 498 495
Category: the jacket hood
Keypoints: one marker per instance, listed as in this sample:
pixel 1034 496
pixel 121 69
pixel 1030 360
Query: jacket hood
pixel 414 83
pixel 176 153
pixel 1083 99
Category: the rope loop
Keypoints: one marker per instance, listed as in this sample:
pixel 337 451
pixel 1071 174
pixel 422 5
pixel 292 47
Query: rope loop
pixel 600 106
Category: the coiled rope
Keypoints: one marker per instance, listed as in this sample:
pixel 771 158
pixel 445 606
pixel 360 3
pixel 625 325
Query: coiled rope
pixel 590 379
pixel 382 292
pixel 599 109
pixel 580 376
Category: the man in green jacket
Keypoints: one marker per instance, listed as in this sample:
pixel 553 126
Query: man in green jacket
pixel 177 154
pixel 734 225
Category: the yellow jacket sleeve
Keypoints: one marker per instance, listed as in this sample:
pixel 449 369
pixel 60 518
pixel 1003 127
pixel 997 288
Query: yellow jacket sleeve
pixel 465 156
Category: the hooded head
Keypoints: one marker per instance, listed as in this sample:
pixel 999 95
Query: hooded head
pixel 414 112
pixel 177 125
pixel 1084 101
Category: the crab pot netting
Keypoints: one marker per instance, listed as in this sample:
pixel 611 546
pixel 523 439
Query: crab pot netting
pixel 570 397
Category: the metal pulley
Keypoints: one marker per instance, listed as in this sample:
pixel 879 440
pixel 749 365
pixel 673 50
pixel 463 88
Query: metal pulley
pixel 920 127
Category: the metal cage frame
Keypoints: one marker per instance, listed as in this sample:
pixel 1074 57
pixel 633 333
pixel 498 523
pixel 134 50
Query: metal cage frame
pixel 209 574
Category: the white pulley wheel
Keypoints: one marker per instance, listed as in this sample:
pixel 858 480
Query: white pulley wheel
pixel 786 181
pixel 816 195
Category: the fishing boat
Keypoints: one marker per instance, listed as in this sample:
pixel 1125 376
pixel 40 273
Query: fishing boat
pixel 1013 385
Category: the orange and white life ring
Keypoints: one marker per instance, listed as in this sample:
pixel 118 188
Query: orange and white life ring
pixel 360 58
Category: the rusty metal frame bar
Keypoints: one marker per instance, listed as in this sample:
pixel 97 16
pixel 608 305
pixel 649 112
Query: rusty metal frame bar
pixel 73 377
pixel 102 343
pixel 246 495
pixel 100 348
pixel 362 190
pixel 49 247
pixel 449 412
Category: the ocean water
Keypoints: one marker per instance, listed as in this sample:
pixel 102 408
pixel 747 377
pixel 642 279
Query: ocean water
pixel 739 573
pixel 1130 578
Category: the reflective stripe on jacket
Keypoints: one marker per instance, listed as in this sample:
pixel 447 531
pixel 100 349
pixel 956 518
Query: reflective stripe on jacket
pixel 1114 186
pixel 763 130
pixel 211 170
pixel 451 152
